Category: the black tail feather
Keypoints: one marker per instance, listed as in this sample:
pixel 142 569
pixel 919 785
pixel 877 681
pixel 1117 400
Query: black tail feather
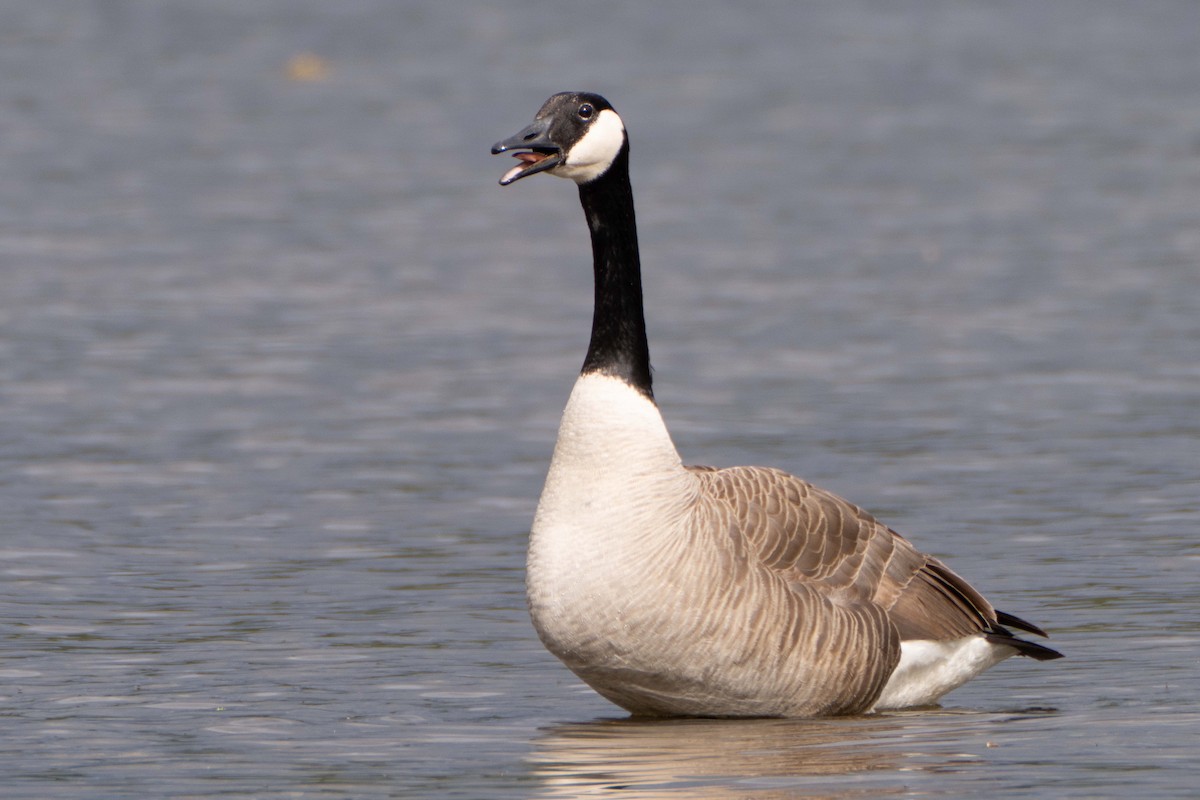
pixel 1024 648
pixel 1000 634
pixel 1009 621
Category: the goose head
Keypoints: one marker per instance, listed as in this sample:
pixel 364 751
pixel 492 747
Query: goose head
pixel 575 135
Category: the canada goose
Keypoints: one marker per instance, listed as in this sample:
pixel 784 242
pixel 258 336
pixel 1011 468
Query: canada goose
pixel 676 590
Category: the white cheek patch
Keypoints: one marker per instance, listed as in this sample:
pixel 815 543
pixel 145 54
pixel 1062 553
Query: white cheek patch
pixel 594 153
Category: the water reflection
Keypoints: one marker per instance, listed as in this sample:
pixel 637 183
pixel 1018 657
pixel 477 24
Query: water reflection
pixel 847 757
pixel 708 758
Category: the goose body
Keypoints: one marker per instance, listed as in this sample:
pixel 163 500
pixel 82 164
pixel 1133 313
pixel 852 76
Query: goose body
pixel 680 590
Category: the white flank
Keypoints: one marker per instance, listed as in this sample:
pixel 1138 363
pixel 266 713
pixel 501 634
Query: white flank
pixel 594 153
pixel 928 669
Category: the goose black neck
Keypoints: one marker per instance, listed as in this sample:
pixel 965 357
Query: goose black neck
pixel 618 346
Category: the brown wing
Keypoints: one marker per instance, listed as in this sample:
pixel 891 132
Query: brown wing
pixel 818 539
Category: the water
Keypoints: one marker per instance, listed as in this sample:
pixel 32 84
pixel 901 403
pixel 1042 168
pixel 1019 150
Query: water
pixel 281 366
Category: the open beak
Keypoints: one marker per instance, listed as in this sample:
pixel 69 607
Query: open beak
pixel 533 148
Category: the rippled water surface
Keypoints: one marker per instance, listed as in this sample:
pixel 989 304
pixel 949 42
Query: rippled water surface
pixel 281 366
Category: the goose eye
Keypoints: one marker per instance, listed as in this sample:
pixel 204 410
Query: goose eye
pixel 586 111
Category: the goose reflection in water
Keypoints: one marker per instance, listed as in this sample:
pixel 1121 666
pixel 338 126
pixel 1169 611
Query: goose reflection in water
pixel 763 758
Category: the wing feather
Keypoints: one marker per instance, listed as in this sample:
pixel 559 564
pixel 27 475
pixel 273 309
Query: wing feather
pixel 815 538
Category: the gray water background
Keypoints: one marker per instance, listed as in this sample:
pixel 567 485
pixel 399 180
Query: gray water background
pixel 281 367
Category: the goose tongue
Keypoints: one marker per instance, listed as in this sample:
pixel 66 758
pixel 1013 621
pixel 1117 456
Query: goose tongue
pixel 527 159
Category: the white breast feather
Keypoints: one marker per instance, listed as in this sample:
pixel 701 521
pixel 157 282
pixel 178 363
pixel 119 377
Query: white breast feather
pixel 615 480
